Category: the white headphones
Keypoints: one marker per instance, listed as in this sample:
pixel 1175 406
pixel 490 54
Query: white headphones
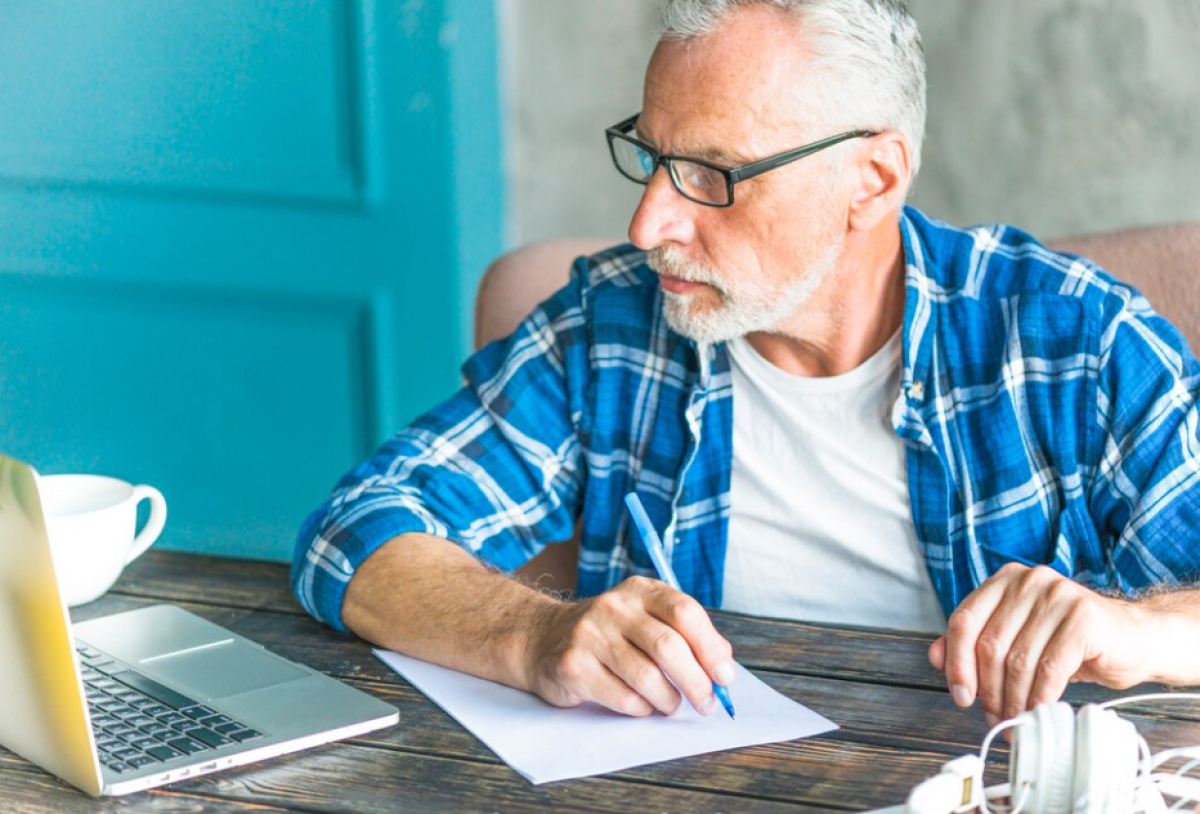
pixel 1063 762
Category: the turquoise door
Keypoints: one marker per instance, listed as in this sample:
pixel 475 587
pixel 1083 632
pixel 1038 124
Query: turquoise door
pixel 238 241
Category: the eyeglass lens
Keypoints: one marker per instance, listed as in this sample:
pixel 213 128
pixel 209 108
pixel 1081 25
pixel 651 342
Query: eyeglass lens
pixel 695 181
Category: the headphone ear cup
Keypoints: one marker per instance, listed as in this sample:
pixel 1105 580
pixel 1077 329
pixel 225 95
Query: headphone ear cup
pixel 1106 762
pixel 1042 764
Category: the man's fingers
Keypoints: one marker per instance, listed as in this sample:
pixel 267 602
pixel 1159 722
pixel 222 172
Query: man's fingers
pixel 1026 655
pixel 643 673
pixel 962 634
pixel 579 676
pixel 1060 662
pixel 670 653
pixel 685 615
pixel 937 653
pixel 994 649
pixel 608 690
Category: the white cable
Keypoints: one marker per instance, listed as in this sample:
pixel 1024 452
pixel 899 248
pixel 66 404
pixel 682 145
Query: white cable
pixel 1151 696
pixel 985 805
pixel 1175 784
pixel 1186 768
pixel 1167 755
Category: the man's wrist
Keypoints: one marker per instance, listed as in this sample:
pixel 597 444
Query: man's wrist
pixel 527 634
pixel 1167 623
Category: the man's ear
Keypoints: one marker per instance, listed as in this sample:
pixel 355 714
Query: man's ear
pixel 884 176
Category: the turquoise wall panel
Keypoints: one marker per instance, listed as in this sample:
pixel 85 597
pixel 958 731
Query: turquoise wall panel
pixel 241 241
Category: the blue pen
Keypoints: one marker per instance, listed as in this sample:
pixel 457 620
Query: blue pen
pixel 654 548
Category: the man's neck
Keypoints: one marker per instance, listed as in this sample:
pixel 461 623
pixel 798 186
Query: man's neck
pixel 855 311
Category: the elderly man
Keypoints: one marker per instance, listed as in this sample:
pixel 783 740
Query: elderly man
pixel 834 407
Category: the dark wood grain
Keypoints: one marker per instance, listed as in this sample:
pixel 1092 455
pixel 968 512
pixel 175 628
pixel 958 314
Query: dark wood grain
pixel 237 583
pixel 25 789
pixel 897 723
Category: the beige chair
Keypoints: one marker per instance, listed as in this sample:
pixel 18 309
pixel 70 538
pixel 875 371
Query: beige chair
pixel 1163 262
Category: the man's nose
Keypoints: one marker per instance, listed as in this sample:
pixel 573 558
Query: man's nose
pixel 662 215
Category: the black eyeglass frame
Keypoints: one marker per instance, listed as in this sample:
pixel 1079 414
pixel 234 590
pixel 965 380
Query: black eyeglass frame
pixel 732 175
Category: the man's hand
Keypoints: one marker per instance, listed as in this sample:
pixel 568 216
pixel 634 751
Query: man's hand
pixel 614 649
pixel 1025 633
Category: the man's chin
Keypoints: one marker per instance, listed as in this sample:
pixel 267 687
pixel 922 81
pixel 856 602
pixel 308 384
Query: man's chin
pixel 708 327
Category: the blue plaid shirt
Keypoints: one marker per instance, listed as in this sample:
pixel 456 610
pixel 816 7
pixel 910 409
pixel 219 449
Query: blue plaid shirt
pixel 1048 414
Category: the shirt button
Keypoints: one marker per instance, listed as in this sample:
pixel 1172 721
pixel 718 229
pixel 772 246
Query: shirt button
pixel 917 390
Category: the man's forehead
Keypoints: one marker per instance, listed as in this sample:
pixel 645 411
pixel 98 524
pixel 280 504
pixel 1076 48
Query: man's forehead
pixel 717 94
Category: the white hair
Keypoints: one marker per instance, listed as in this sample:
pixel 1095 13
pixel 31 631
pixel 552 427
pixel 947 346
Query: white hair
pixel 870 49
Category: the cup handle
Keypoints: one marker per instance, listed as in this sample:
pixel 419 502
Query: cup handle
pixel 154 524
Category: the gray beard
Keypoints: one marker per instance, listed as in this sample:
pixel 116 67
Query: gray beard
pixel 750 310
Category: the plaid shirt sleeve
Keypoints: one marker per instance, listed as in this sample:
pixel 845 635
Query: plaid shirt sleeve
pixel 497 468
pixel 1145 491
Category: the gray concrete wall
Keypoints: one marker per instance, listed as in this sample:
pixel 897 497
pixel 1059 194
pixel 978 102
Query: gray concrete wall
pixel 1059 116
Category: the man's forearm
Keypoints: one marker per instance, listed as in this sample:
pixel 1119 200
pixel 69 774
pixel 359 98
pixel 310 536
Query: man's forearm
pixel 425 597
pixel 1174 617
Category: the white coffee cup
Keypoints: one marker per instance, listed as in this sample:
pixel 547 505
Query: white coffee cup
pixel 91 521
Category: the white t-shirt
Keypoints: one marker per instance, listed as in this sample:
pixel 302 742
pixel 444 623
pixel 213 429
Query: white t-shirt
pixel 820 525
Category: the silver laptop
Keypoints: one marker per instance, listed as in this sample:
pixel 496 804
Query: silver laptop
pixel 138 699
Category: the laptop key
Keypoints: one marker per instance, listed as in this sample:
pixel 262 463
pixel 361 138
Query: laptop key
pixel 139 761
pixel 143 743
pixel 87 652
pixel 161 752
pixel 240 735
pixel 225 729
pixel 140 720
pixel 117 765
pixel 187 745
pixel 174 719
pixel 125 753
pixel 197 712
pixel 208 736
pixel 157 709
pixel 163 694
pixel 109 669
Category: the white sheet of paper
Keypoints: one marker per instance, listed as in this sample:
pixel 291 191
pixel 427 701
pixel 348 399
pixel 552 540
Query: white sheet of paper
pixel 544 743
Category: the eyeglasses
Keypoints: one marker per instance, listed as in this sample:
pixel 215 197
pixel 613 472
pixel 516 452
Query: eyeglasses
pixel 696 179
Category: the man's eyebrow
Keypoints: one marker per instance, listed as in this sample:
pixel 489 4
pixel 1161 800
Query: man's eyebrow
pixel 722 155
pixel 717 155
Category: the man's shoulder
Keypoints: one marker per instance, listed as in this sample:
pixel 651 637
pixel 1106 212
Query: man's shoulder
pixel 616 286
pixel 993 263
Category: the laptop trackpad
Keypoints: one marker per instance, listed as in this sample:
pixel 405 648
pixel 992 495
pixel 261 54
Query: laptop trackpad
pixel 222 669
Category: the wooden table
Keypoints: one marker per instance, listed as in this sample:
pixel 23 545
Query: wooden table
pixel 898 724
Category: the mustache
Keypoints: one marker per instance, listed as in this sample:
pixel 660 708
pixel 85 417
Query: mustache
pixel 671 261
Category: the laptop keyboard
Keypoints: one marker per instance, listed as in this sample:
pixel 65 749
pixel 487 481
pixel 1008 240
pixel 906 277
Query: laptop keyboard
pixel 139 722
